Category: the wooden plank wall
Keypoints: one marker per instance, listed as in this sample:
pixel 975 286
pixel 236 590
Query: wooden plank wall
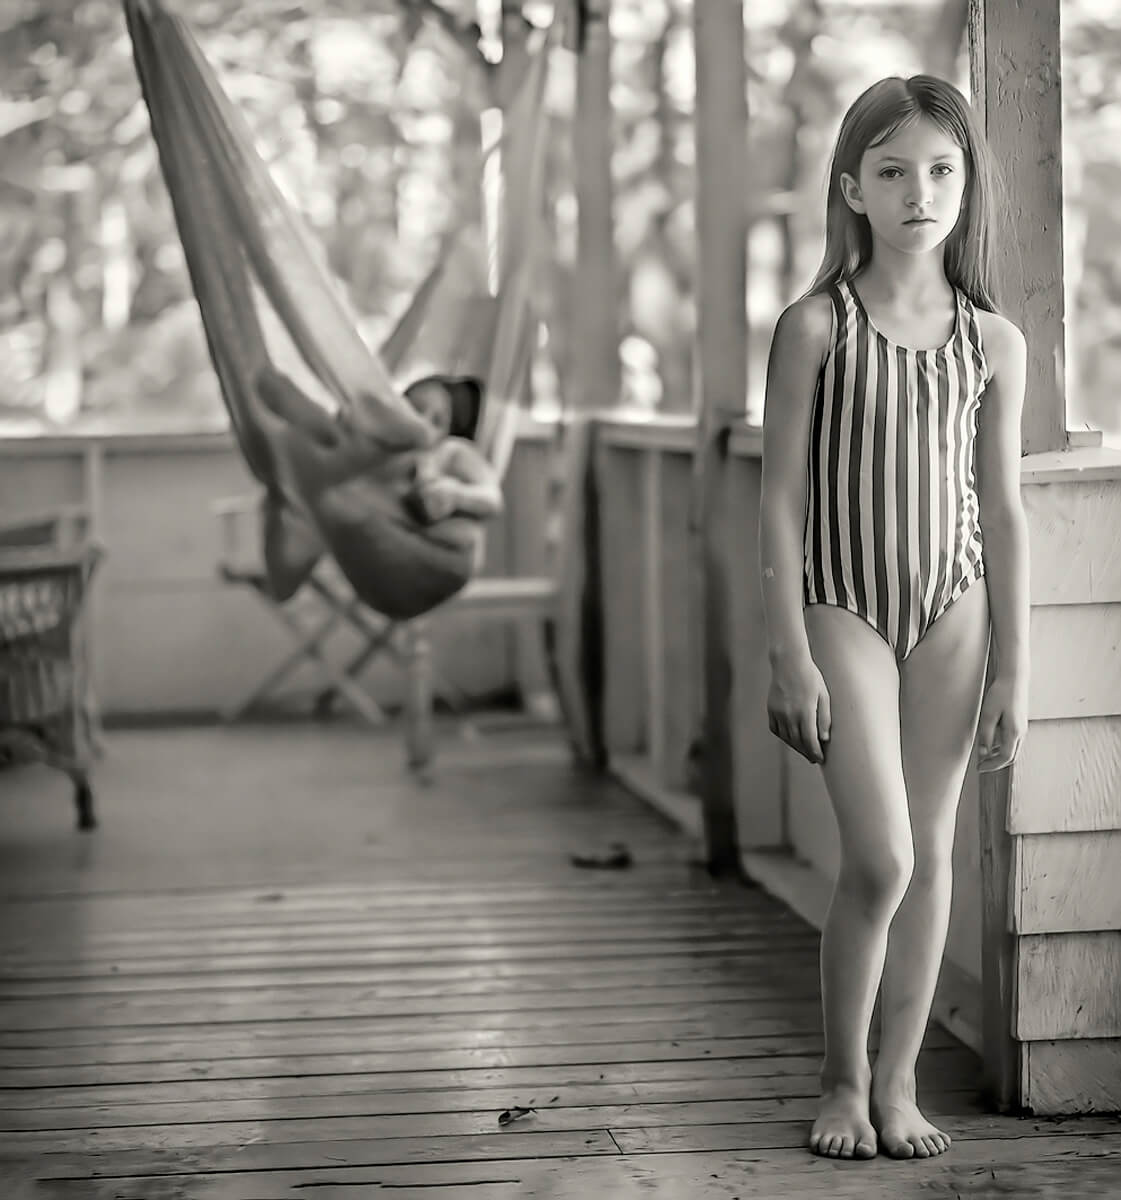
pixel 169 637
pixel 1064 807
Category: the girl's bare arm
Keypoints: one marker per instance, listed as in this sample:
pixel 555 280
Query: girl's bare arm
pixel 796 355
pixel 1004 528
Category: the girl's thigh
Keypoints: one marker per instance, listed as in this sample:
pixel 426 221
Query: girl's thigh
pixel 863 767
pixel 941 682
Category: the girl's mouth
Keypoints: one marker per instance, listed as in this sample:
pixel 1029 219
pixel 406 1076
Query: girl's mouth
pixel 919 221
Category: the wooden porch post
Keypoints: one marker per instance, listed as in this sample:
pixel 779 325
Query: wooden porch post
pixel 1017 93
pixel 721 137
pixel 595 320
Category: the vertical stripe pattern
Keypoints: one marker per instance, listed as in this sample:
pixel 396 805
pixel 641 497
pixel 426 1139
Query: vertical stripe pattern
pixel 893 523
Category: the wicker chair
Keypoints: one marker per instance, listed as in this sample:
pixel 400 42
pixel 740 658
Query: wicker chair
pixel 47 712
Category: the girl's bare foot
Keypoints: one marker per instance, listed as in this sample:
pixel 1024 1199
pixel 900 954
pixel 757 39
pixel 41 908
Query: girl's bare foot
pixel 904 1131
pixel 843 1128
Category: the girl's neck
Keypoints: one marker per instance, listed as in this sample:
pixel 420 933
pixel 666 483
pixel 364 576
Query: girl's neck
pixel 906 279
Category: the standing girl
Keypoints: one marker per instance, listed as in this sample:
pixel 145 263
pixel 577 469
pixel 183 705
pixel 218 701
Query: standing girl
pixel 892 540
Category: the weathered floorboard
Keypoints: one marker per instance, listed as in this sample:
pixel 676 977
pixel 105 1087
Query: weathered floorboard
pixel 308 975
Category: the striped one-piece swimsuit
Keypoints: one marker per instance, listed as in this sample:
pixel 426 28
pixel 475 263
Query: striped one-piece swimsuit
pixel 892 525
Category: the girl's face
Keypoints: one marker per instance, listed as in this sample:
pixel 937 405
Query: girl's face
pixel 911 187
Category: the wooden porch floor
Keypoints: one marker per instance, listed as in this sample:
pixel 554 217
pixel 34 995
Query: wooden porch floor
pixel 281 969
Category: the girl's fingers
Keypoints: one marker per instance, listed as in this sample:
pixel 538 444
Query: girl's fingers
pixel 802 732
pixel 810 745
pixel 1002 753
pixel 786 730
pixel 824 719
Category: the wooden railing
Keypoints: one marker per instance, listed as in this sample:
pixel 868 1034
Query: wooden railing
pixel 652 602
pixel 168 637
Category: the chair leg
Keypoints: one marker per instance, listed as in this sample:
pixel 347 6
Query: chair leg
pixel 83 800
pixel 309 642
pixel 419 734
pixel 378 641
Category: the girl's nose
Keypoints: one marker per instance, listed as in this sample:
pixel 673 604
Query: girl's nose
pixel 921 196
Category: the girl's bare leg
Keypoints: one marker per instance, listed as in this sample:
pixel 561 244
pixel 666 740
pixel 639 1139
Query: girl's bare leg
pixel 864 775
pixel 940 695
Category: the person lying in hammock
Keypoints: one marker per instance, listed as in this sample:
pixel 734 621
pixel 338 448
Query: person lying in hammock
pixel 406 526
pixel 452 476
pixel 448 478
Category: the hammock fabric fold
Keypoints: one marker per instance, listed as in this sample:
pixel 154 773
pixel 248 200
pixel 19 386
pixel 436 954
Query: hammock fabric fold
pixel 334 452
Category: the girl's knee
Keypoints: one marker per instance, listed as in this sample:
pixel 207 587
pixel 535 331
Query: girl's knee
pixel 878 882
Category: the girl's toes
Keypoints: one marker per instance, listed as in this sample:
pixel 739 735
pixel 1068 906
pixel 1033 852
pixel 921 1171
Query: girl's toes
pixel 865 1148
pixel 898 1147
pixel 846 1147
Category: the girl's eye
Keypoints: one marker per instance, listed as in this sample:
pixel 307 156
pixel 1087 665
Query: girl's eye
pixel 890 173
pixel 943 169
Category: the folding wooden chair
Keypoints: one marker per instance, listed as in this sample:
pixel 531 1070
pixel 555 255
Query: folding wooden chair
pixel 337 608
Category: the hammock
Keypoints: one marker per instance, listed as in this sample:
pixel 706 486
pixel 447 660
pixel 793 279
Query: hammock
pixel 333 451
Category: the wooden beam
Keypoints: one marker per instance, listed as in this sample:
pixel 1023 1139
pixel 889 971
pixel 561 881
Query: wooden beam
pixel 721 136
pixel 1017 92
pixel 595 322
pixel 1001 1054
pixel 653 616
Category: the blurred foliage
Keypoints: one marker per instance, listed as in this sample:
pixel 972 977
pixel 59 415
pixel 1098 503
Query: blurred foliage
pixel 369 113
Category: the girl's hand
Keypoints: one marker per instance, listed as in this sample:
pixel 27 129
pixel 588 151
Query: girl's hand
pixel 1002 725
pixel 798 707
pixel 439 498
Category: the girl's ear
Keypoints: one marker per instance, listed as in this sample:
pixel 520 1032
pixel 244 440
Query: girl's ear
pixel 850 189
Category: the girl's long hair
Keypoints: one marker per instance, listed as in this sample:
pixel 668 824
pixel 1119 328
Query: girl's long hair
pixel 877 115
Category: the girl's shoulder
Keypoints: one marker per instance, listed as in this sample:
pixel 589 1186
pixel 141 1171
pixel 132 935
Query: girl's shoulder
pixel 1003 339
pixel 806 326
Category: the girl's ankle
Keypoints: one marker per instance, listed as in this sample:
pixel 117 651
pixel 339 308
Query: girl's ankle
pixel 895 1083
pixel 845 1080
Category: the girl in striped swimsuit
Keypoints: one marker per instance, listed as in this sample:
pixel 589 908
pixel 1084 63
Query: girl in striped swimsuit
pixel 892 541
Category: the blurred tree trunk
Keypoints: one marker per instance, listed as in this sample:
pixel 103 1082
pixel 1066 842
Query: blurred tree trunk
pixel 674 345
pixel 801 28
pixel 117 257
pixel 62 374
pixel 945 46
pixel 510 74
